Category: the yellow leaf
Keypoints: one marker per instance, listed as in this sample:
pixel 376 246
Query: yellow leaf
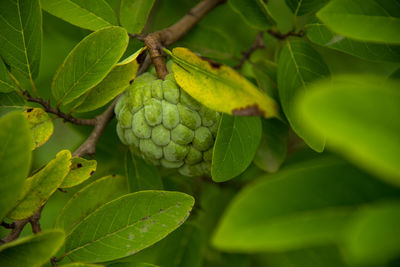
pixel 40 124
pixel 219 87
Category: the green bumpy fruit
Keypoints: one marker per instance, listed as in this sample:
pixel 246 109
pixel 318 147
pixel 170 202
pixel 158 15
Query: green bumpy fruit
pixel 166 126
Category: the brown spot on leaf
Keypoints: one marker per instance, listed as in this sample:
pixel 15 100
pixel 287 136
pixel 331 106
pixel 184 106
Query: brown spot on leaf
pixel 29 110
pixel 141 57
pixel 253 110
pixel 79 165
pixel 91 172
pixel 213 64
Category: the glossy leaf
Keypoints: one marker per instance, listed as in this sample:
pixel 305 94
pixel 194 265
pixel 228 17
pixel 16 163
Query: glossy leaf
pixel 292 217
pixel 80 170
pixel 252 13
pixel 119 78
pixel 375 224
pixel 33 251
pixel 235 146
pixel 134 14
pixel 7 84
pixel 299 65
pixel 219 87
pixel 38 188
pixel 90 198
pixel 140 175
pixel 10 102
pixel 88 14
pixel 15 158
pixel 301 7
pixel 40 124
pixel 367 20
pixel 86 66
pixel 21 35
pixel 273 146
pixel 127 225
pixel 359 116
pixel 319 34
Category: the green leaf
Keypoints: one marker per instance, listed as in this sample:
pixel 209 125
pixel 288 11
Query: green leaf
pixel 10 102
pixel 15 158
pixel 252 13
pixel 319 34
pixel 299 65
pixel 40 124
pixel 38 188
pixel 80 264
pixel 33 251
pixel 235 146
pixel 326 256
pixel 81 170
pixel 272 150
pixel 302 7
pixel 265 73
pixel 219 87
pixel 119 78
pixel 88 63
pixel 366 20
pixel 7 84
pixel 141 176
pixel 372 225
pixel 307 205
pixel 87 14
pixel 395 74
pixel 132 264
pixel 183 248
pixel 21 35
pixel 209 42
pixel 359 115
pixel 134 14
pixel 88 199
pixel 127 225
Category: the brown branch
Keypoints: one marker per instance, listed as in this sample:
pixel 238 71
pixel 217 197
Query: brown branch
pixel 157 40
pixel 258 44
pixel 16 231
pixel 47 107
pixel 283 36
pixel 8 225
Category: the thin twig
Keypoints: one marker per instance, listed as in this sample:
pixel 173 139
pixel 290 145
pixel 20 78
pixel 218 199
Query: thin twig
pixel 47 107
pixel 283 36
pixel 19 226
pixel 258 44
pixel 8 225
pixel 157 40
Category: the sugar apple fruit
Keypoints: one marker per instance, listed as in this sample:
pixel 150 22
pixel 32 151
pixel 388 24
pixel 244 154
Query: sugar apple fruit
pixel 166 126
